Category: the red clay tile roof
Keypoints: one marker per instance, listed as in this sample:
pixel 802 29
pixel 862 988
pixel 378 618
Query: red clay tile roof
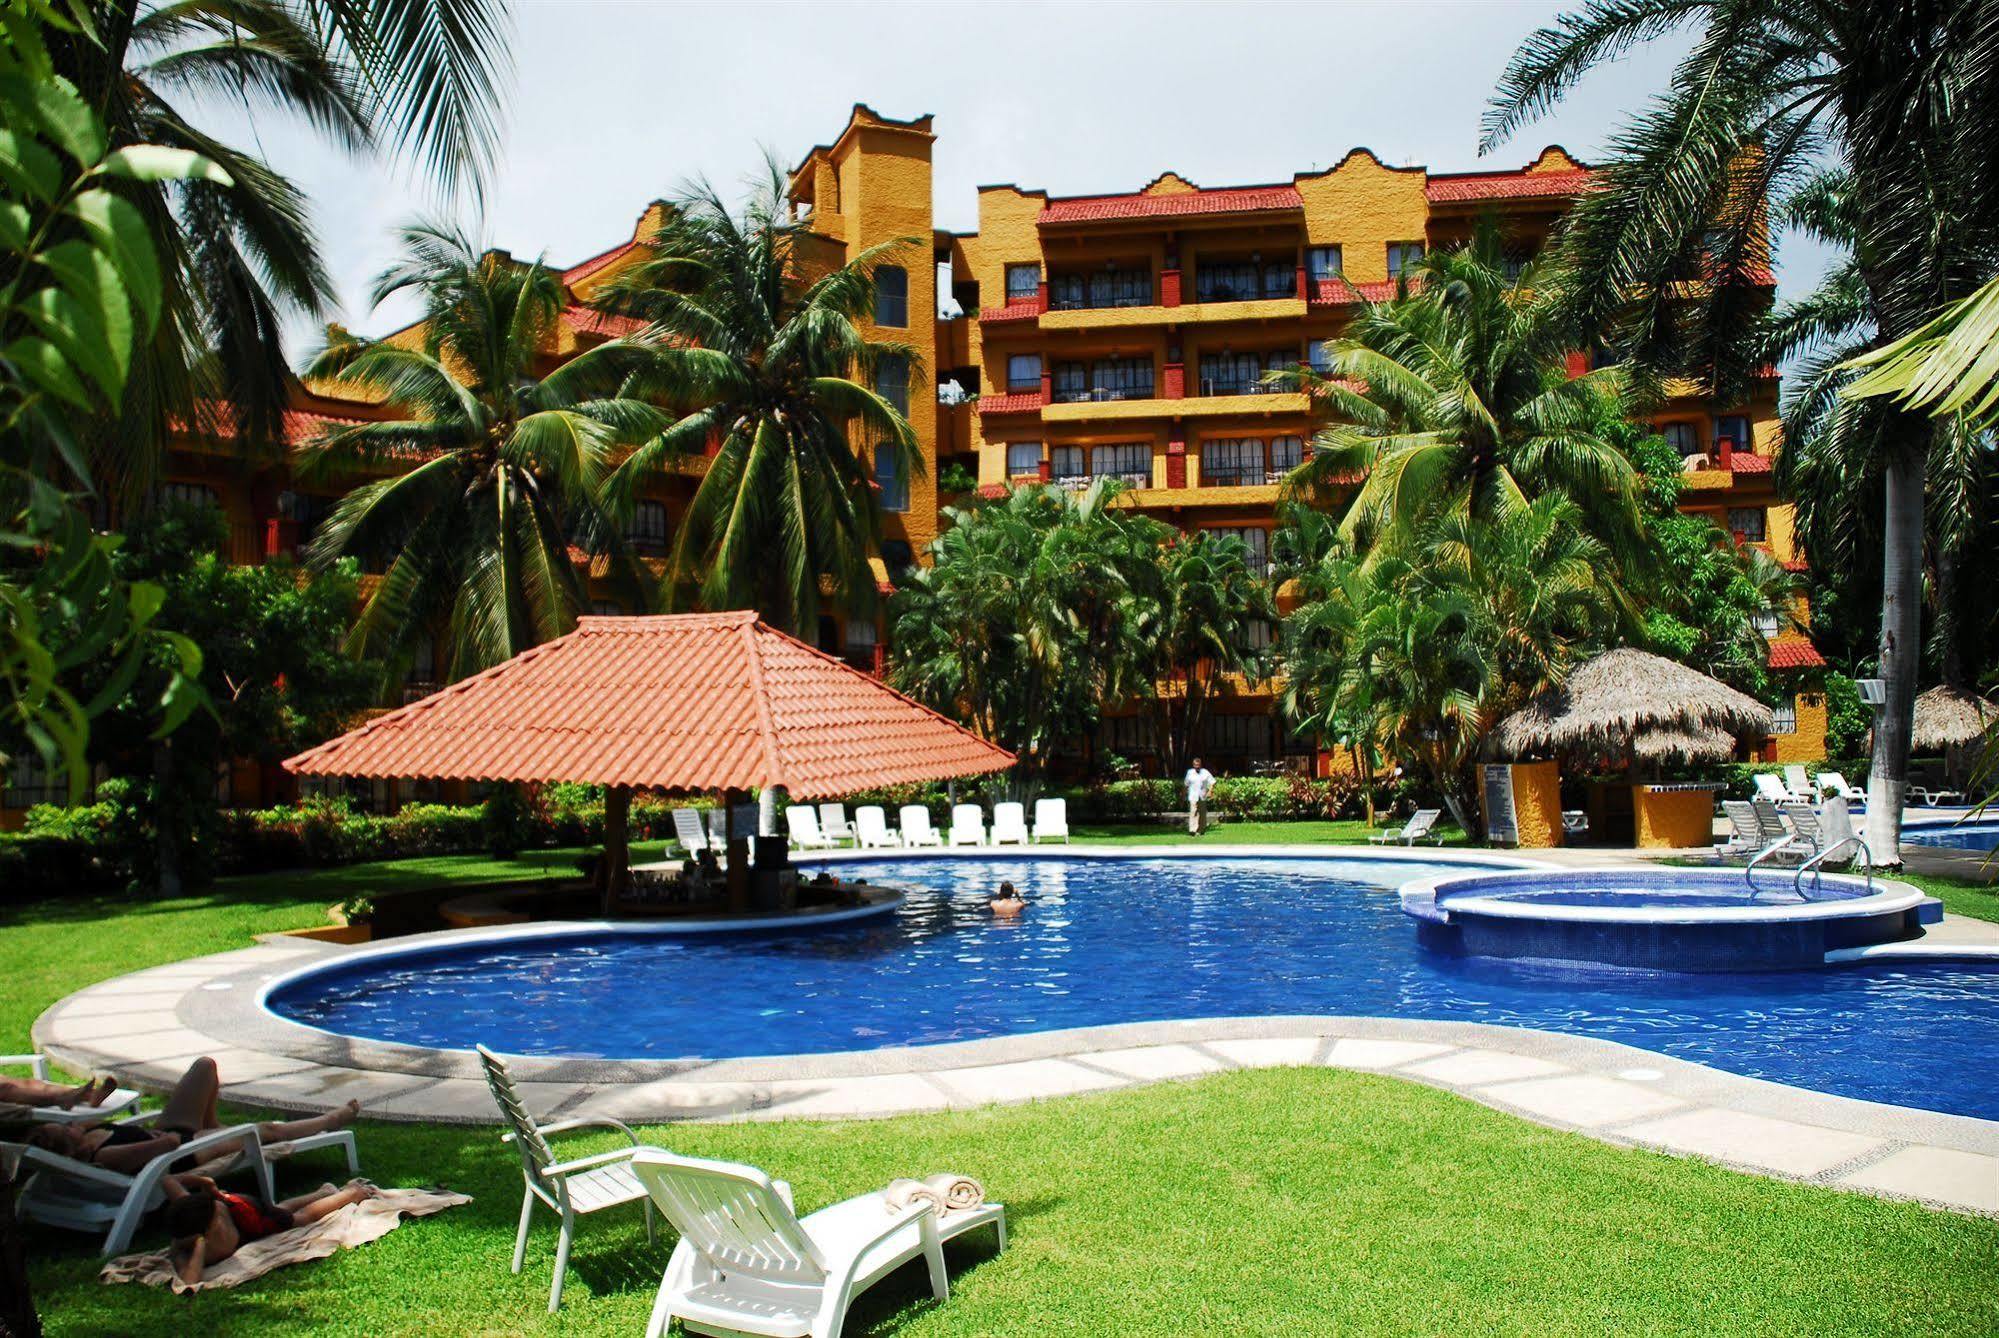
pixel 1246 199
pixel 1522 185
pixel 1025 402
pixel 588 320
pixel 693 703
pixel 215 419
pixel 1338 292
pixel 1012 311
pixel 584 269
pixel 1745 462
pixel 1796 564
pixel 1798 654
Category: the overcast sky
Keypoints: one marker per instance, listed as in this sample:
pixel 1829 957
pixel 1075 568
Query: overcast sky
pixel 617 103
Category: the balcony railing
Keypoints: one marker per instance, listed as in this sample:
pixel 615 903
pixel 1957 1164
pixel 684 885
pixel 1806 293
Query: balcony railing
pixel 1238 383
pixel 1112 288
pixel 1239 476
pixel 1245 283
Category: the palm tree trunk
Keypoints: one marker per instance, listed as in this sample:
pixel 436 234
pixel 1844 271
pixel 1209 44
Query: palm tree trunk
pixel 770 802
pixel 1901 646
pixel 167 826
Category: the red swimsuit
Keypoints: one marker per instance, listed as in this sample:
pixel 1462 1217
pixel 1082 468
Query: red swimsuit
pixel 254 1218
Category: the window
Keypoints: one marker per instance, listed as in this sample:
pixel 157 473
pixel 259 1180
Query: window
pixel 1237 373
pixel 1403 255
pixel 1257 541
pixel 1746 521
pixel 892 380
pixel 1067 292
pixel 1239 736
pixel 1121 379
pixel 1023 372
pixel 1065 464
pixel 1232 462
pixel 1257 634
pixel 1786 718
pixel 1280 281
pixel 30 782
pixel 1322 263
pixel 1766 624
pixel 1734 429
pixel 859 649
pixel 1682 438
pixel 1226 283
pixel 646 531
pixel 1130 461
pixel 1023 458
pixel 897 556
pixel 188 495
pixel 892 296
pixel 1069 382
pixel 1023 283
pixel 1130 735
pixel 1321 355
pixel 890 477
pixel 1121 288
pixel 1286 454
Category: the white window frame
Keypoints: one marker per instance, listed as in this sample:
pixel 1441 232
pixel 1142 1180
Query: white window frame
pixel 1023 458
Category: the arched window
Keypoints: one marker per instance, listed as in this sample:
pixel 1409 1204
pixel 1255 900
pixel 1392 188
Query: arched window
pixel 892 380
pixel 892 296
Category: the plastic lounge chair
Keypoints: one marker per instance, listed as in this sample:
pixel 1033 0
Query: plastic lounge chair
pixel 1051 819
pixel 968 825
pixel 688 831
pixel 118 1103
pixel 1770 790
pixel 1832 782
pixel 1010 825
pixel 1804 820
pixel 1745 835
pixel 871 828
pixel 1575 822
pixel 802 821
pixel 1935 798
pixel 1409 833
pixel 748 1264
pixel 569 1188
pixel 1800 785
pixel 833 822
pixel 1774 834
pixel 916 828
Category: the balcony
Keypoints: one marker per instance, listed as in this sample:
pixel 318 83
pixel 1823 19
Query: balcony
pixel 1104 290
pixel 1242 476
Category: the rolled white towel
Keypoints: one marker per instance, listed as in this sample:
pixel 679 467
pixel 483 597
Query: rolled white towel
pixel 904 1191
pixel 958 1193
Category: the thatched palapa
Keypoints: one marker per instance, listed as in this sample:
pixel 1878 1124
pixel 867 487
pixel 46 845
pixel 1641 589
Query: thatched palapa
pixel 1948 717
pixel 1628 704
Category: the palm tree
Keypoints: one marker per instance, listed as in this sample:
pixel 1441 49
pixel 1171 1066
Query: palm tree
pixel 1668 259
pixel 512 466
pixel 1210 606
pixel 240 257
pixel 764 364
pixel 1455 398
pixel 1325 690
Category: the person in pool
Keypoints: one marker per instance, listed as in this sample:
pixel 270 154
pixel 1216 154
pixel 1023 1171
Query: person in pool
pixel 1007 902
pixel 209 1223
pixel 190 1111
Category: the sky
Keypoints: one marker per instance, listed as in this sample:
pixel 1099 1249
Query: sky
pixel 615 104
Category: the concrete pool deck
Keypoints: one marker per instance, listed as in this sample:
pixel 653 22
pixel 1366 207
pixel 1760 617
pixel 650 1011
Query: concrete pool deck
pixel 148 1025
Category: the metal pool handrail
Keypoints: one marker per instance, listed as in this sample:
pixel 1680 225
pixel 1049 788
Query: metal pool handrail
pixel 1814 863
pixel 1749 869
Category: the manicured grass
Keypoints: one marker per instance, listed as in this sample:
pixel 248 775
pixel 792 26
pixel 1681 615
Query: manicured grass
pixel 1296 1202
pixel 1960 896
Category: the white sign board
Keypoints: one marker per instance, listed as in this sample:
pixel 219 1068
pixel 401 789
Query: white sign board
pixel 1502 821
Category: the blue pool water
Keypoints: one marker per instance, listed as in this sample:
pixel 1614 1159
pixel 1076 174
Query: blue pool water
pixel 1106 941
pixel 1969 836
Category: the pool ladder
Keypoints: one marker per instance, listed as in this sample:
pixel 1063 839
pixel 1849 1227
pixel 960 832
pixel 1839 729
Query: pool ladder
pixel 1815 865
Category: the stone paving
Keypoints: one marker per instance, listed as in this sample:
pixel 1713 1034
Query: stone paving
pixel 147 1026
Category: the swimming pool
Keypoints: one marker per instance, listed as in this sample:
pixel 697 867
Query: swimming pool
pixel 1982 835
pixel 1105 941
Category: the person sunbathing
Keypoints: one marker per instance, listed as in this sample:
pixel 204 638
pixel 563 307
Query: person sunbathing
pixel 39 1092
pixel 209 1223
pixel 189 1112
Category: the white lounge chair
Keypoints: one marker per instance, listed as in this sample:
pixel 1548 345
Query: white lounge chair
pixel 1776 835
pixel 1800 785
pixel 833 822
pixel 1934 798
pixel 1832 782
pixel 688 831
pixel 916 828
pixel 570 1188
pixel 1409 833
pixel 871 829
pixel 1770 790
pixel 1010 825
pixel 1051 820
pixel 802 821
pixel 1804 820
pixel 968 825
pixel 118 1103
pixel 1745 835
pixel 1575 822
pixel 748 1264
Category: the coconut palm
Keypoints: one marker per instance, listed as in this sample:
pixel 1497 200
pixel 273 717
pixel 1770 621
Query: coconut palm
pixel 1326 691
pixel 1203 630
pixel 1668 259
pixel 1454 398
pixel 774 375
pixel 241 257
pixel 478 535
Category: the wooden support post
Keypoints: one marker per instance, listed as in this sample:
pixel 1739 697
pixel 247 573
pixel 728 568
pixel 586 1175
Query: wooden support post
pixel 739 851
pixel 615 867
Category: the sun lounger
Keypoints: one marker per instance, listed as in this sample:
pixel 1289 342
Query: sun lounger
pixel 1409 833
pixel 833 822
pixel 688 831
pixel 1745 834
pixel 1800 785
pixel 916 828
pixel 748 1264
pixel 802 820
pixel 1010 825
pixel 120 1102
pixel 968 825
pixel 1832 782
pixel 1776 837
pixel 1770 790
pixel 1051 820
pixel 871 828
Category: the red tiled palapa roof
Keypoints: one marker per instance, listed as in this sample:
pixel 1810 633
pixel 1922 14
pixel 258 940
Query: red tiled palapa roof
pixel 1795 655
pixel 1237 200
pixel 695 703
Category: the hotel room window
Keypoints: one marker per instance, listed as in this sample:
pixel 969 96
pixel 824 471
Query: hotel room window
pixel 1122 379
pixel 1232 462
pixel 1403 256
pixel 890 477
pixel 193 495
pixel 1023 372
pixel 1286 454
pixel 1735 429
pixel 1023 459
pixel 1682 438
pixel 1130 461
pixel 1069 382
pixel 1322 263
pixel 1746 521
pixel 892 380
pixel 1322 356
pixel 1065 464
pixel 646 531
pixel 892 296
pixel 1023 283
pixel 1786 718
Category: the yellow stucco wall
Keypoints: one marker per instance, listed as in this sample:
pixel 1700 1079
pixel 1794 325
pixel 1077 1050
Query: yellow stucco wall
pixel 1537 804
pixel 1807 744
pixel 1672 819
pixel 1362 205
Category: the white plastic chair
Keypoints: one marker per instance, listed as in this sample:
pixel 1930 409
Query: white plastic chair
pixel 833 822
pixel 1051 820
pixel 571 1188
pixel 1409 833
pixel 1777 837
pixel 916 828
pixel 118 1103
pixel 802 820
pixel 1010 825
pixel 1771 790
pixel 1745 834
pixel 1832 782
pixel 968 825
pixel 748 1264
pixel 871 829
pixel 688 831
pixel 1800 785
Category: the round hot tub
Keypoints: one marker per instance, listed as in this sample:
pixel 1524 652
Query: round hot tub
pixel 1664 919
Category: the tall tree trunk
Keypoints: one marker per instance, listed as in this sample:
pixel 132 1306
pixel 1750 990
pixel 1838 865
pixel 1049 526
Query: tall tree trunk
pixel 1901 645
pixel 167 833
pixel 770 803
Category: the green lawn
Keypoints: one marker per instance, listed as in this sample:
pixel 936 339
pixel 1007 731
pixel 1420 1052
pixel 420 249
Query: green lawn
pixel 1274 1202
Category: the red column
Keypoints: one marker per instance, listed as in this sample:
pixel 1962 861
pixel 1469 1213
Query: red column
pixel 1724 449
pixel 1044 470
pixel 1047 386
pixel 1169 287
pixel 1173 385
pixel 280 537
pixel 1176 459
pixel 1041 298
pixel 1302 293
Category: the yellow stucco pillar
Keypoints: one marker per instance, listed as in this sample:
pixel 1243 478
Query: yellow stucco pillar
pixel 1667 819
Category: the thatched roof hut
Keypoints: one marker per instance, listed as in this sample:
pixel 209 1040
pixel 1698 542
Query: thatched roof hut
pixel 1948 717
pixel 1628 704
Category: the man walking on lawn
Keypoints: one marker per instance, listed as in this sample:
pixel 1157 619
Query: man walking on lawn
pixel 1200 784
